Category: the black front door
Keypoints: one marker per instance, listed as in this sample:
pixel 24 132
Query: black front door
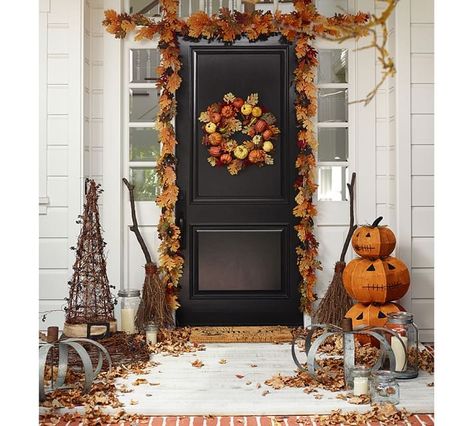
pixel 238 231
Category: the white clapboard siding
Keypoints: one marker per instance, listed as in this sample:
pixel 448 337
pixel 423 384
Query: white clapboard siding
pixel 422 38
pixel 422 191
pixel 422 68
pixel 422 160
pixel 60 150
pixel 422 129
pixel 424 283
pixel 422 252
pixel 422 11
pixel 422 98
pixel 422 221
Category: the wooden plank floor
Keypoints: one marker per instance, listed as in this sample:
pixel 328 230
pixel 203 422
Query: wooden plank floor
pixel 217 389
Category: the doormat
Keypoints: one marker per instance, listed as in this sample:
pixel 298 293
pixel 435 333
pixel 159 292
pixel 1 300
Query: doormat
pixel 242 334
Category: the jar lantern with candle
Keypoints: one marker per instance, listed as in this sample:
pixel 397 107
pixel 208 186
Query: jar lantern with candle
pixel 360 375
pixel 384 387
pixel 403 324
pixel 129 302
pixel 151 333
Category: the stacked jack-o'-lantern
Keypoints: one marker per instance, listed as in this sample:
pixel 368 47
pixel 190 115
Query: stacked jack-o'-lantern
pixel 375 279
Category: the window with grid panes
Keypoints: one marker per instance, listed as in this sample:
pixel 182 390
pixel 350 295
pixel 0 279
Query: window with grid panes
pixel 332 124
pixel 142 136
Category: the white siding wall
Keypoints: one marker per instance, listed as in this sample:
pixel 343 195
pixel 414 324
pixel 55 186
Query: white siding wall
pixel 422 160
pixel 60 149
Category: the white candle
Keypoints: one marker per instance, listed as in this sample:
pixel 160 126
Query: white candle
pixel 128 320
pixel 360 386
pixel 151 336
pixel 399 352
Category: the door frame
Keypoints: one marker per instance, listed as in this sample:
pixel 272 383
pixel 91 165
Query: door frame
pixel 362 159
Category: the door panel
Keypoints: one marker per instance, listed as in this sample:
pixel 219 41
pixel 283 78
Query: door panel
pixel 238 237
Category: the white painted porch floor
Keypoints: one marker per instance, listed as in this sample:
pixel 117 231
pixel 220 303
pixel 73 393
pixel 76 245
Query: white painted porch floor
pixel 215 389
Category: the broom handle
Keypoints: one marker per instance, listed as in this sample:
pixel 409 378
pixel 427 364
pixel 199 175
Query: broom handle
pixel 351 230
pixel 134 228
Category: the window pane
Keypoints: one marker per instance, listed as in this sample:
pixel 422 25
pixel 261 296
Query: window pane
pixel 331 7
pixel 143 144
pixel 333 66
pixel 332 182
pixel 333 144
pixel 143 65
pixel 143 105
pixel 145 182
pixel 137 6
pixel 333 105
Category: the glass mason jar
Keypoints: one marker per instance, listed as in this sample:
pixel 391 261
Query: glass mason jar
pixel 151 330
pixel 129 302
pixel 403 324
pixel 360 376
pixel 384 387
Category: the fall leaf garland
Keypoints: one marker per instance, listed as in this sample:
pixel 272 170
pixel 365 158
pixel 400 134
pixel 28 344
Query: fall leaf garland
pixel 301 27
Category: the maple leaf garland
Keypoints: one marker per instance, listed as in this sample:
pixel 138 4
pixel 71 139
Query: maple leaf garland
pixel 301 26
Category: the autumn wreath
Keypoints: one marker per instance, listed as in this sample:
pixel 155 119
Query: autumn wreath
pixel 221 122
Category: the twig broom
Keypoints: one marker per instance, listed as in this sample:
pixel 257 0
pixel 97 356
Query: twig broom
pixel 336 301
pixel 153 306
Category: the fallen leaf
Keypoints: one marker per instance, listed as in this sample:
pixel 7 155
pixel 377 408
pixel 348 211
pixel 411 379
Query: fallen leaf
pixel 133 402
pixel 265 392
pixel 253 365
pixel 154 384
pixel 240 376
pixel 248 383
pixel 222 361
pixel 139 381
pixel 197 363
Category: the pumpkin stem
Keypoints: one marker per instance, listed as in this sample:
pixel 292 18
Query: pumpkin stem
pixel 377 222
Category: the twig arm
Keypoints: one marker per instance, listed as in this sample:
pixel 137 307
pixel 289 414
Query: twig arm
pixel 134 228
pixel 351 230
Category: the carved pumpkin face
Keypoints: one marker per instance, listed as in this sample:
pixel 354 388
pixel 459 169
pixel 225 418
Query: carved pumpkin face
pixel 373 241
pixel 374 314
pixel 378 280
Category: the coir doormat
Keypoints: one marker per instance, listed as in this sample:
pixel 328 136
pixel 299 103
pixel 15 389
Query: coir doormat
pixel 242 334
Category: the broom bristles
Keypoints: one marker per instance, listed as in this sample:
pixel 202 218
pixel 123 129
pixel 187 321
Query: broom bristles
pixel 336 302
pixel 153 306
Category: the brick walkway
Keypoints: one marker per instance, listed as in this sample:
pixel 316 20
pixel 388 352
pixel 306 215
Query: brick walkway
pixel 414 420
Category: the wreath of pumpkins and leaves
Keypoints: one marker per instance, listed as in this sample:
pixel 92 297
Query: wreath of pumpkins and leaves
pixel 300 27
pixel 223 120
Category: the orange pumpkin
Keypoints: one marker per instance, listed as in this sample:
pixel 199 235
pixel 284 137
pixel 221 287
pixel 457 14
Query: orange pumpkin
pixel 256 156
pixel 378 280
pixel 373 241
pixel 372 315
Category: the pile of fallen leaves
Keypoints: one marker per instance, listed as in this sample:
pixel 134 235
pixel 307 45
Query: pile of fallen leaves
pixel 176 342
pixel 386 414
pixel 102 392
pixel 91 416
pixel 328 376
pixel 426 361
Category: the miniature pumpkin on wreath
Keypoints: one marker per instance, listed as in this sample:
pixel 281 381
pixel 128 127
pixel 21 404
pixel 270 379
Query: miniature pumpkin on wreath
pixel 222 120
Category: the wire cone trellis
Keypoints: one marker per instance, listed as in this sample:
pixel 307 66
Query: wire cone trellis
pixel 90 299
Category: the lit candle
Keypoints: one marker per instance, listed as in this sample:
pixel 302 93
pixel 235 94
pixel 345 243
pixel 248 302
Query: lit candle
pixel 360 386
pixel 399 352
pixel 128 320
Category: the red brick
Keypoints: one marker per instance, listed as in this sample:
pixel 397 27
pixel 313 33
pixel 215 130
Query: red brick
pixel 225 421
pixel 265 421
pixel 198 421
pixel 157 421
pixel 425 419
